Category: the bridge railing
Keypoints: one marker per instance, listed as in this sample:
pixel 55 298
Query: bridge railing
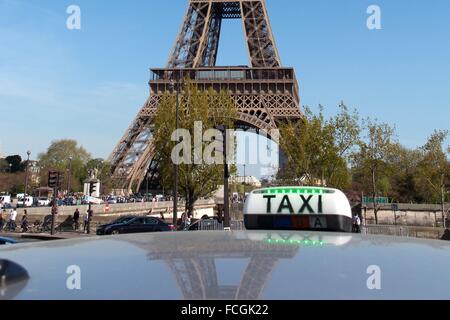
pixel 398 231
pixel 404 231
pixel 208 225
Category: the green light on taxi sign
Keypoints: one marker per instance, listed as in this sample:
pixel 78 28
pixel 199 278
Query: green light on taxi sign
pixel 294 190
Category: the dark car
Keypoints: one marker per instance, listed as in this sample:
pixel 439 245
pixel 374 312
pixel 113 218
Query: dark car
pixel 4 241
pixel 134 225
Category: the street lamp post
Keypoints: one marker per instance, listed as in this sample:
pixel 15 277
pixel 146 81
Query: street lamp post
pixel 146 191
pixel 175 184
pixel 26 177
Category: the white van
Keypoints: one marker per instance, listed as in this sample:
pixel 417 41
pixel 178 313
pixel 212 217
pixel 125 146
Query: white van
pixel 5 201
pixel 29 201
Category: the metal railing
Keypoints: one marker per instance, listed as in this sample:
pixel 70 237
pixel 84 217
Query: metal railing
pixel 208 225
pixel 224 74
pixel 404 231
pixel 398 231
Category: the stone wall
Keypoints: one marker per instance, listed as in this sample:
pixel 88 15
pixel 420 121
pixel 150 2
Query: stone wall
pixel 425 218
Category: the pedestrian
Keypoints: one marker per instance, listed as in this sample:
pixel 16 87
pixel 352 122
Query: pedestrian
pixel 86 221
pixel 24 222
pixel 358 224
pixel 186 218
pixel 183 221
pixel 76 219
pixel 354 224
pixel 12 220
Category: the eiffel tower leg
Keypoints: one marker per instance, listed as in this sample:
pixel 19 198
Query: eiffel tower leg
pixel 211 46
pixel 255 278
pixel 193 36
pixel 132 156
pixel 260 41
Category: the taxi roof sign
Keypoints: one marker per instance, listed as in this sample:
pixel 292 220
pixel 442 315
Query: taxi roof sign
pixel 298 208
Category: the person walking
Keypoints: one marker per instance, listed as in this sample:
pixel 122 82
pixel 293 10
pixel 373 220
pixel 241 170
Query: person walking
pixel 86 221
pixel 12 220
pixel 186 221
pixel 76 219
pixel 358 224
pixel 24 222
pixel 354 224
pixel 2 222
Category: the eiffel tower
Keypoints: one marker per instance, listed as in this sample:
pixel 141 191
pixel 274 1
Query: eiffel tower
pixel 265 93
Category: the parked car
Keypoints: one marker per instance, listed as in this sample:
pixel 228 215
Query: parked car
pixel 135 225
pixel 112 200
pixel 4 241
pixel 29 202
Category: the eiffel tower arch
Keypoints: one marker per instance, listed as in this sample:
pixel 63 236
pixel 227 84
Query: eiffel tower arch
pixel 265 93
pixel 195 268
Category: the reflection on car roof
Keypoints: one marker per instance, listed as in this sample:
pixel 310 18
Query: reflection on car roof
pixel 236 265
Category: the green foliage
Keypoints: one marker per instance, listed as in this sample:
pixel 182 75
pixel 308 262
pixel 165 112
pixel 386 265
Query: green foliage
pixel 16 163
pixel 318 149
pixel 433 170
pixel 65 156
pixel 377 146
pixel 401 167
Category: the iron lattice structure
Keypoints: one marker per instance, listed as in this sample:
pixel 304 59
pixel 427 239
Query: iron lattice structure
pixel 194 268
pixel 265 93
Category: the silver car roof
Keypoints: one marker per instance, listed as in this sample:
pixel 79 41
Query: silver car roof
pixel 237 265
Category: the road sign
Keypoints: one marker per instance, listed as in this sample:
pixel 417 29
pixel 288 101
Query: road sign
pixel 380 200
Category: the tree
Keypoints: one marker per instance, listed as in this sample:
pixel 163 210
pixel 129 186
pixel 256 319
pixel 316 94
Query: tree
pixel 371 161
pixel 62 155
pixel 16 163
pixel 345 129
pixel 317 149
pixel 402 171
pixel 211 109
pixel 434 169
pixel 12 183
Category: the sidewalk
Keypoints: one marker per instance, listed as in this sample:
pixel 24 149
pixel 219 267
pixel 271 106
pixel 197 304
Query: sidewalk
pixel 46 236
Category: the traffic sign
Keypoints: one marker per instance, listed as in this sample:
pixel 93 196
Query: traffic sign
pixel 380 200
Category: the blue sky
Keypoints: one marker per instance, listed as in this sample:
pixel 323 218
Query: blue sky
pixel 89 84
